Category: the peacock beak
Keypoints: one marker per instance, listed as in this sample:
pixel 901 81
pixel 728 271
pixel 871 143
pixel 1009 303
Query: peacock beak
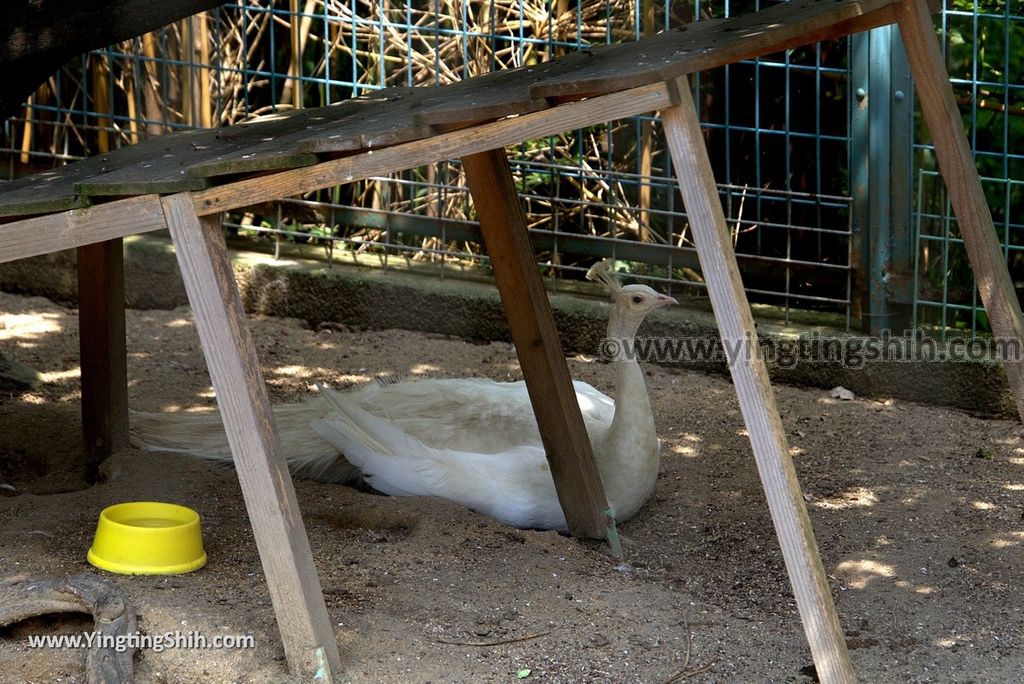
pixel 665 300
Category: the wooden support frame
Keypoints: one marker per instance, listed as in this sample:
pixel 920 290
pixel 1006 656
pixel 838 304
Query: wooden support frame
pixel 266 484
pixel 568 448
pixel 960 174
pixel 103 352
pixel 295 590
pixel 750 376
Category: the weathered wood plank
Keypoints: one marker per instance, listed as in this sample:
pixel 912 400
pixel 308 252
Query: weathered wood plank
pixel 568 448
pixel 55 190
pixel 387 117
pixel 168 169
pixel 715 42
pixel 103 351
pixel 40 193
pixel 494 95
pixel 379 119
pixel 447 146
pixel 960 174
pixel 45 234
pixel 757 401
pixel 266 484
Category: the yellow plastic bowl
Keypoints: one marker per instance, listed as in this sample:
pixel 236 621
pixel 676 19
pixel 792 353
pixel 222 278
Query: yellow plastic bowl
pixel 148 538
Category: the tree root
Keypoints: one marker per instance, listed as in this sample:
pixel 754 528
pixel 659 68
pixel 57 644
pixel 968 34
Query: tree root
pixel 23 597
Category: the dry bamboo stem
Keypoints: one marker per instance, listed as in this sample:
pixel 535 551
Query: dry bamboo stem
pixel 26 133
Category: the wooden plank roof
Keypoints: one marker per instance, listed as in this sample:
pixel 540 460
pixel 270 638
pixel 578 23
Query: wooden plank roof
pixel 195 160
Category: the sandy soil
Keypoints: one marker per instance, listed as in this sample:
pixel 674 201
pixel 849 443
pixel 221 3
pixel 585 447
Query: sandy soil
pixel 918 512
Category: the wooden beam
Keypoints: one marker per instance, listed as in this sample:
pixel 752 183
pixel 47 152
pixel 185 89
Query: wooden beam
pixel 70 229
pixel 757 402
pixel 525 301
pixel 960 174
pixel 711 43
pixel 447 146
pixel 101 334
pixel 245 409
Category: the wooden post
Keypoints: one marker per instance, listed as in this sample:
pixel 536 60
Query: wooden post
pixel 757 402
pixel 266 484
pixel 566 443
pixel 960 174
pixel 102 348
pixel 103 352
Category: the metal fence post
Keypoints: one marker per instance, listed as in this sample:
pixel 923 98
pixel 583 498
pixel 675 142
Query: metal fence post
pixel 881 125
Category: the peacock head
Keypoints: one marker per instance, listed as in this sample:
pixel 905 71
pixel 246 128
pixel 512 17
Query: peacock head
pixel 641 300
pixel 636 300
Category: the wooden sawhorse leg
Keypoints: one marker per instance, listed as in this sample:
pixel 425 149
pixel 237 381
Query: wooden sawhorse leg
pixel 960 174
pixel 101 333
pixel 245 409
pixel 757 402
pixel 577 480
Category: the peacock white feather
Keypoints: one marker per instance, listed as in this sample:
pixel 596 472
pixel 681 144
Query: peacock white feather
pixel 473 441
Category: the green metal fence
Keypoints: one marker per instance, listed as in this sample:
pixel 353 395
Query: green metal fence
pixel 984 49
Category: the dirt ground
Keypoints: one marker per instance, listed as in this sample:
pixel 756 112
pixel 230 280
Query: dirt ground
pixel 918 512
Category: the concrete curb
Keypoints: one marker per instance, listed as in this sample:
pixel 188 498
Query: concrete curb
pixel 375 299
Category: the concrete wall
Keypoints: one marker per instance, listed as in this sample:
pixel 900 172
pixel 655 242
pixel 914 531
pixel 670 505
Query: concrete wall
pixel 376 299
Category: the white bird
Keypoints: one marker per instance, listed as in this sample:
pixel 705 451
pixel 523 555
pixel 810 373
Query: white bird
pixel 472 441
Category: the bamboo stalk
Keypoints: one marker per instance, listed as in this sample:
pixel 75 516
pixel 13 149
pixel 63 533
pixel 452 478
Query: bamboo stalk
pixel 133 110
pixel 152 110
pixel 299 36
pixel 100 73
pixel 26 133
pixel 205 107
pixel 188 108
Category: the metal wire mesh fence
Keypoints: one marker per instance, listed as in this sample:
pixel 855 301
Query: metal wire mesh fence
pixel 983 40
pixel 778 130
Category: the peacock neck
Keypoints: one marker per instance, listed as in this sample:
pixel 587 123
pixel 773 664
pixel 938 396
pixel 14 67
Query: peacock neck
pixel 633 413
pixel 629 462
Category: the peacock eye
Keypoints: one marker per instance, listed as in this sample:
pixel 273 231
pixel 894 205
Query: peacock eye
pixel 637 299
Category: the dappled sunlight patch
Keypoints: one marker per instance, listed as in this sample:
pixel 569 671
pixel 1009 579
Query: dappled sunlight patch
pixel 424 369
pixel 690 437
pixel 1011 487
pixel 62 376
pixel 984 505
pixel 1007 539
pixel 797 451
pixel 178 408
pixel 859 573
pixel 179 323
pixel 349 380
pixel 255 258
pixel 858 497
pixel 30 326
pixel 685 451
pixel 292 371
